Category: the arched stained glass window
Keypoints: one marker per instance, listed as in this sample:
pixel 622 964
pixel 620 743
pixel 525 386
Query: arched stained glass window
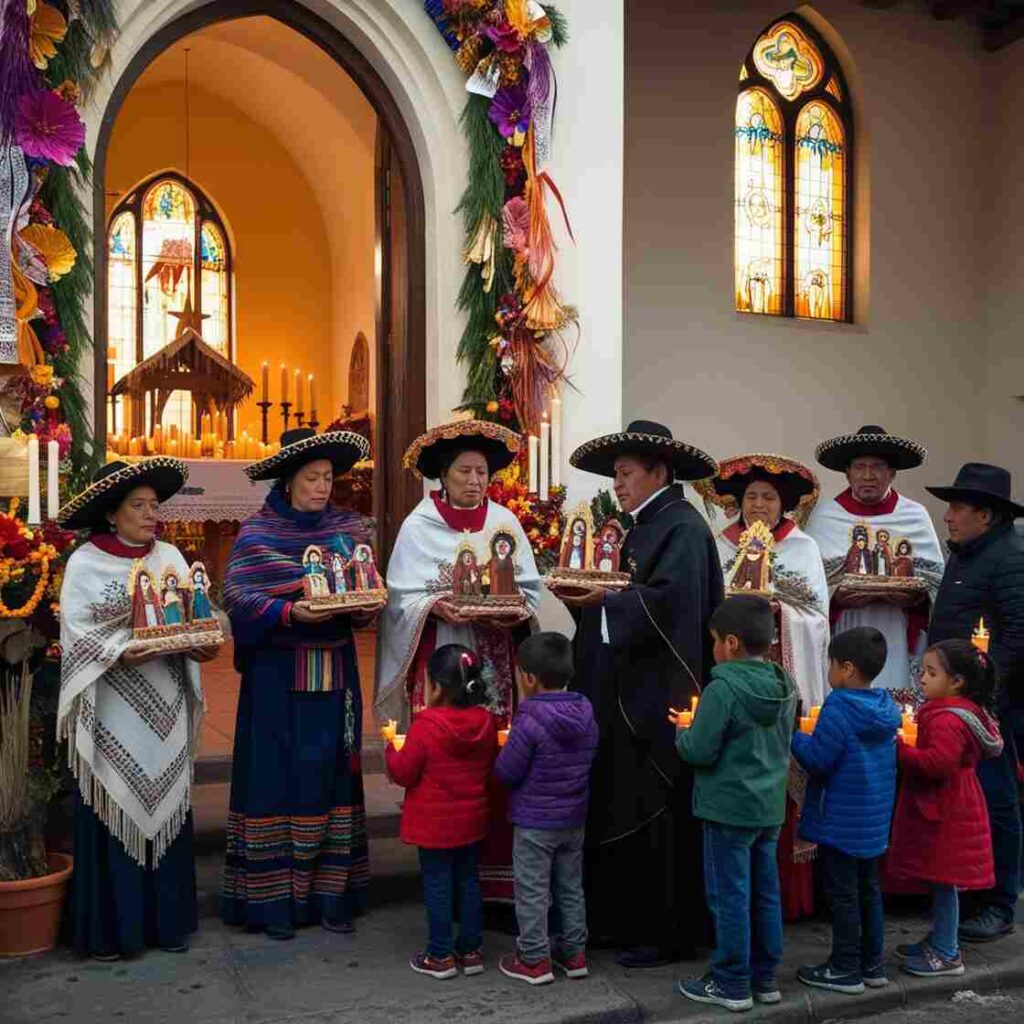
pixel 794 137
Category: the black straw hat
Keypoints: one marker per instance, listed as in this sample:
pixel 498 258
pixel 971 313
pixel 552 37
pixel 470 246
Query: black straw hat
pixel 644 437
pixel 900 452
pixel 303 445
pixel 978 483
pixel 430 451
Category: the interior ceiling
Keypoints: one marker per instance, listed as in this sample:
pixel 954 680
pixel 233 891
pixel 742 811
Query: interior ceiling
pixel 998 22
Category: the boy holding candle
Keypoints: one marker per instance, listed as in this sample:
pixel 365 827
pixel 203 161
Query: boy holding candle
pixel 851 760
pixel 739 747
pixel 545 763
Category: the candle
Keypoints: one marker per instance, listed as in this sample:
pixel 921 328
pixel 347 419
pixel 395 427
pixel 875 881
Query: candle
pixel 34 516
pixel 980 637
pixel 134 446
pixel 229 450
pixel 158 439
pixel 503 737
pixel 807 725
pixel 52 480
pixel 389 730
pixel 556 442
pixel 545 457
pixel 398 741
pixel 196 449
pixel 531 451
pixel 815 711
pixel 298 392
pixel 685 719
pixel 284 383
pixel 111 359
pixel 694 701
pixel 910 738
pixel 312 398
pixel 266 380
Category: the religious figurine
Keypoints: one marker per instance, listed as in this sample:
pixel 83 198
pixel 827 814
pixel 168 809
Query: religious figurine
pixel 314 576
pixel 466 577
pixel 501 569
pixel 146 610
pixel 882 554
pixel 364 569
pixel 173 604
pixel 338 573
pixel 903 566
pixel 200 583
pixel 608 546
pixel 576 544
pixel 752 570
pixel 858 559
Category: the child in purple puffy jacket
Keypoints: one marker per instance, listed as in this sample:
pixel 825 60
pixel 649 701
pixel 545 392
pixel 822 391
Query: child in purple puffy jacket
pixel 546 767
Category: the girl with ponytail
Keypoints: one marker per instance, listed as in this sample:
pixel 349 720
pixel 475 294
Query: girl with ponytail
pixel 444 766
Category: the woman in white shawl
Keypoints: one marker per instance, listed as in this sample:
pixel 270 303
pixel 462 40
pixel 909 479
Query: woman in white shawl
pixel 130 724
pixel 778 492
pixel 420 617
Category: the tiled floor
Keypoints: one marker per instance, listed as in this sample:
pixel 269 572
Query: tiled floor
pixel 221 683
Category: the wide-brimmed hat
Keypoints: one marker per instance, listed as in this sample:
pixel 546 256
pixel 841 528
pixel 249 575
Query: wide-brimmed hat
pixel 113 482
pixel 796 483
pixel 899 452
pixel 428 453
pixel 643 437
pixel 303 445
pixel 978 483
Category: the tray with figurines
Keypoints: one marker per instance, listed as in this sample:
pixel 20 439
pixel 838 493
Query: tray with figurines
pixel 489 588
pixel 335 581
pixel 586 579
pixel 882 584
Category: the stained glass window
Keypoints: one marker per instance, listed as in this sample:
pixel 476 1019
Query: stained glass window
pixel 214 270
pixel 120 300
pixel 793 139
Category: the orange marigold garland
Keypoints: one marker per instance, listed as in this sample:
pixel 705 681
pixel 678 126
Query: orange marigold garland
pixel 542 521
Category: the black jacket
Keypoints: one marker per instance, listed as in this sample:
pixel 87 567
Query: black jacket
pixel 985 577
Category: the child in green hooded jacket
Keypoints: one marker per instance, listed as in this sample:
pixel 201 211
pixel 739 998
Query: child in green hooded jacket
pixel 739 746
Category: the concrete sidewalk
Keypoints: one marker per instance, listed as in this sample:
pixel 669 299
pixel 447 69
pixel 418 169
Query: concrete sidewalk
pixel 232 977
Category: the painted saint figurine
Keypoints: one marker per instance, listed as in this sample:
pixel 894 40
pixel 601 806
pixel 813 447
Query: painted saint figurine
pixel 501 569
pixel 858 559
pixel 466 576
pixel 364 569
pixel 882 555
pixel 314 576
pixel 903 566
pixel 608 546
pixel 146 610
pixel 752 572
pixel 173 604
pixel 577 551
pixel 338 573
pixel 201 607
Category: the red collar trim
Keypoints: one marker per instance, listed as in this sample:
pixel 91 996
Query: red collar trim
pixel 113 545
pixel 734 531
pixel 461 519
pixel 847 501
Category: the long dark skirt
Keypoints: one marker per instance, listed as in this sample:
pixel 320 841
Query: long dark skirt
pixel 118 906
pixel 296 843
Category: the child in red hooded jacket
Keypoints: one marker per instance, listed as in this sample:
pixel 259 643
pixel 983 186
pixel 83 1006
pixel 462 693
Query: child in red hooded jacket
pixel 444 766
pixel 941 829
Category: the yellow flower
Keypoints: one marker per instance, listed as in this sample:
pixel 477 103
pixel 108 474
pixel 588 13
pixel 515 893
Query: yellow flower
pixel 48 29
pixel 53 245
pixel 41 374
pixel 492 406
pixel 51 402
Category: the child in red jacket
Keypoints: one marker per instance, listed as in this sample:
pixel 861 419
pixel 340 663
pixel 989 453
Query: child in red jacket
pixel 941 829
pixel 444 767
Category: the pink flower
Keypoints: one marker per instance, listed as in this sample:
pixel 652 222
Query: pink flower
pixel 505 37
pixel 48 127
pixel 516 224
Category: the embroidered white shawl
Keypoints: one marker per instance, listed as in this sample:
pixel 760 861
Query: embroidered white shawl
pixel 131 731
pixel 831 525
pixel 419 574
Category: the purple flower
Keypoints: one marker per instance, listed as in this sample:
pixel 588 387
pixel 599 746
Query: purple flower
pixel 48 127
pixel 510 110
pixel 505 37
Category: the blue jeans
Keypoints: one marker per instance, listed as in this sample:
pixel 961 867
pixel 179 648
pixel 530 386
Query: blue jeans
pixel 858 921
pixel 741 879
pixel 450 875
pixel 998 778
pixel 945 921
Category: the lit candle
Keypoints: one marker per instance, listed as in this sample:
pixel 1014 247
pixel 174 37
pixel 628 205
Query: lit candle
pixel 52 480
pixel 807 725
pixel 556 442
pixel 298 392
pixel 266 380
pixel 980 637
pixel 312 398
pixel 503 737
pixel 284 383
pixel 197 448
pixel 815 711
pixel 111 359
pixel 34 516
pixel 531 451
pixel 545 457
pixel 134 446
pixel 398 741
pixel 158 440
pixel 229 450
pixel 389 731
pixel 694 701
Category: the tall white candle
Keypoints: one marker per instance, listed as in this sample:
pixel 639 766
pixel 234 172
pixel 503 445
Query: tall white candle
pixel 34 516
pixel 52 480
pixel 556 442
pixel 531 452
pixel 545 457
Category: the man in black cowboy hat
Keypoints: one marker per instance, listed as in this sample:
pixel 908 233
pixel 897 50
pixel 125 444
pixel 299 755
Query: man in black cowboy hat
pixel 638 652
pixel 985 579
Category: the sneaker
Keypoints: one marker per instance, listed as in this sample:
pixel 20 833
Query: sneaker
pixel 472 963
pixel 875 977
pixel 823 976
pixel 767 992
pixel 424 963
pixel 707 990
pixel 933 965
pixel 538 973
pixel 572 965
pixel 987 926
pixel 912 950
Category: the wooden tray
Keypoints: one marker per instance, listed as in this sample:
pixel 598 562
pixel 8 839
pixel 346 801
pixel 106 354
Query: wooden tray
pixel 586 579
pixel 181 639
pixel 351 600
pixel 882 584
pixel 487 605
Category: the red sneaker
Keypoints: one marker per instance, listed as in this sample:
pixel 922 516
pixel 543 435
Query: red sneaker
pixel 538 973
pixel 573 965
pixel 424 963
pixel 472 963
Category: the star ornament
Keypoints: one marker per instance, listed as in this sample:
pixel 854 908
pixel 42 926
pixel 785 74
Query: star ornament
pixel 188 317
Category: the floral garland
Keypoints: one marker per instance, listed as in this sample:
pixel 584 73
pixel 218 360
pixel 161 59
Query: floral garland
pixel 51 54
pixel 512 343
pixel 542 521
pixel 23 552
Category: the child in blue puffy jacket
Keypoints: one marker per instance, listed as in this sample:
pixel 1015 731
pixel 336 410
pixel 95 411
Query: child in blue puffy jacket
pixel 851 761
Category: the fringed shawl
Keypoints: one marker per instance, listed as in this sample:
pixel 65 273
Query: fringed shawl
pixel 131 731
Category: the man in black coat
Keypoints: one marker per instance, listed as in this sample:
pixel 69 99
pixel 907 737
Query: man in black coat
pixel 639 652
pixel 985 579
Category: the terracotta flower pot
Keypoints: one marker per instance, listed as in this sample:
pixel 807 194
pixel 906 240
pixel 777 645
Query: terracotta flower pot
pixel 30 910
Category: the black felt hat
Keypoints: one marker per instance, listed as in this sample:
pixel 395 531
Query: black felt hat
pixel 303 445
pixel 644 437
pixel 899 452
pixel 112 483
pixel 978 483
pixel 430 451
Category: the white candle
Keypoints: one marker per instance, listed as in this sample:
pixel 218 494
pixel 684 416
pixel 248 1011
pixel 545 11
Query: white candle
pixel 531 451
pixel 34 516
pixel 52 484
pixel 556 442
pixel 545 457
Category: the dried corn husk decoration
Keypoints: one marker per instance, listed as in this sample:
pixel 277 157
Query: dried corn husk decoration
pixel 481 249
